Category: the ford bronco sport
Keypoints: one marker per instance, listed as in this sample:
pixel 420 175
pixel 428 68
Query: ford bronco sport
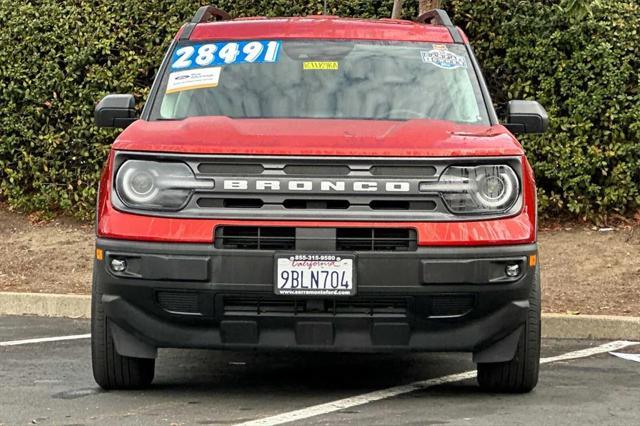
pixel 317 184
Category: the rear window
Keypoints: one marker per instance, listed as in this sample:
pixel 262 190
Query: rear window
pixel 321 79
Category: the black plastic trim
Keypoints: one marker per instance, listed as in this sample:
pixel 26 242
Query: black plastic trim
pixel 486 94
pixel 441 17
pixel 495 310
pixel 157 82
pixel 203 15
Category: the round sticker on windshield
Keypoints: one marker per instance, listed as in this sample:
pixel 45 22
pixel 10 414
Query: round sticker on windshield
pixel 444 59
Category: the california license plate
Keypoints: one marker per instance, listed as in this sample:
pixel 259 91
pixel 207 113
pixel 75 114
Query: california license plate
pixel 315 275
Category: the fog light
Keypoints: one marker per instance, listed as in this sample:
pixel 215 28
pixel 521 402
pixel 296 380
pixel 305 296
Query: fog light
pixel 118 265
pixel 512 270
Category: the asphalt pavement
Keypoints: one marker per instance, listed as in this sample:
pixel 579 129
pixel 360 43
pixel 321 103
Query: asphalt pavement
pixel 50 383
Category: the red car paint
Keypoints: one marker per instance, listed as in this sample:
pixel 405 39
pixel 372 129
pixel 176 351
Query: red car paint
pixel 351 138
pixel 326 27
pixel 357 138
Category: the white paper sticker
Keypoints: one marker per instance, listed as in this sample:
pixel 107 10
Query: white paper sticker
pixel 443 59
pixel 201 78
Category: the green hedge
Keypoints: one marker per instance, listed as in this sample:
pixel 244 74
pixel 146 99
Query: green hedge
pixel 586 73
pixel 59 57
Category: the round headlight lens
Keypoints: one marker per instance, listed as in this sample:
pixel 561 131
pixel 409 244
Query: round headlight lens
pixel 155 185
pixel 496 188
pixel 138 185
pixel 492 187
pixel 483 189
pixel 142 183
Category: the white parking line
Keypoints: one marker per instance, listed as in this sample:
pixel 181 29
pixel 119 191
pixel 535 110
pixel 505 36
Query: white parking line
pixel 354 401
pixel 45 339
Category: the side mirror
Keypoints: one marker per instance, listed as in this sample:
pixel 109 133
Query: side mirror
pixel 526 117
pixel 116 111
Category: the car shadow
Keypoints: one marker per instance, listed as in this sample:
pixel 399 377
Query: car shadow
pixel 277 373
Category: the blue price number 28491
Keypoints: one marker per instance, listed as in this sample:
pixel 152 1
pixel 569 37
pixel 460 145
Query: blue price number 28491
pixel 208 54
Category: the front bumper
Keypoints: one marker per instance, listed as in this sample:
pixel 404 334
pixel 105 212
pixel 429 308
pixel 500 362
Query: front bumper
pixel 432 299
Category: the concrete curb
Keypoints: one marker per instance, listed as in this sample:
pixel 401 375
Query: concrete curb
pixel 46 305
pixel 562 326
pixel 558 326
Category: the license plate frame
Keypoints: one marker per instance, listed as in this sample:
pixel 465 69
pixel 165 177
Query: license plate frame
pixel 308 287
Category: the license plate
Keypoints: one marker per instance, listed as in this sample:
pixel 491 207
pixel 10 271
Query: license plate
pixel 315 275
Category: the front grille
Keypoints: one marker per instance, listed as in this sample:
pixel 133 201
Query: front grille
pixel 255 238
pixel 314 204
pixel 375 239
pixel 240 305
pixel 230 203
pixel 297 203
pixel 451 305
pixel 346 239
pixel 179 302
pixel 315 188
pixel 398 205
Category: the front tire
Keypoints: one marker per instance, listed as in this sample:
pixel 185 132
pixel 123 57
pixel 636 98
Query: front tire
pixel 520 375
pixel 110 369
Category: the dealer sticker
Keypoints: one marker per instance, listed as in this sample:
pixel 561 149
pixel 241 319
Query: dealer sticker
pixel 193 79
pixel 204 55
pixel 321 65
pixel 444 59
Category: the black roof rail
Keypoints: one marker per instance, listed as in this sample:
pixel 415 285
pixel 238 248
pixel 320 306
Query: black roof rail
pixel 204 14
pixel 441 17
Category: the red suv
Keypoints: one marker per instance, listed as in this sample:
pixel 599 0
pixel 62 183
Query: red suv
pixel 317 184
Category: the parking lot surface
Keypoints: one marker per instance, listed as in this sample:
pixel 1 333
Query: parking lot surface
pixel 50 382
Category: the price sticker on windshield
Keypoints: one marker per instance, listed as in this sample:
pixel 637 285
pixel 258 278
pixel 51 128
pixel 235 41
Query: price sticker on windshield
pixel 204 55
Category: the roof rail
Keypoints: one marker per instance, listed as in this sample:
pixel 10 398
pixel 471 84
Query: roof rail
pixel 203 15
pixel 441 17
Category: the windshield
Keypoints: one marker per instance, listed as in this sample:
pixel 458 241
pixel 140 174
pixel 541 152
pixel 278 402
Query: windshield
pixel 321 79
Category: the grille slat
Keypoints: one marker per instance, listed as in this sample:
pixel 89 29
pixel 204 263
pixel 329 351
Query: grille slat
pixel 240 305
pixel 375 239
pixel 300 187
pixel 179 302
pixel 451 306
pixel 284 238
pixel 255 238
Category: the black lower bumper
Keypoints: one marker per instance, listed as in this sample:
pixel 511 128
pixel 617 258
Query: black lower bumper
pixel 432 299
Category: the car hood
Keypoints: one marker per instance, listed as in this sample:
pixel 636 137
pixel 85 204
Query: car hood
pixel 373 138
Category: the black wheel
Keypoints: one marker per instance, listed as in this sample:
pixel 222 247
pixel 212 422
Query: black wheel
pixel 110 369
pixel 520 375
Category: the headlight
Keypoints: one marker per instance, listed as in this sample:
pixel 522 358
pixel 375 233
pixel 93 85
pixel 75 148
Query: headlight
pixel 480 189
pixel 153 185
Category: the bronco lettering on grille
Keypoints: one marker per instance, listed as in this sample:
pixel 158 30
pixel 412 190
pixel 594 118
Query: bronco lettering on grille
pixel 315 186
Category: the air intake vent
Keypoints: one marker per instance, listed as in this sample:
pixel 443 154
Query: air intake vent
pixel 316 204
pixel 239 305
pixel 255 238
pixel 179 302
pixel 231 203
pixel 230 169
pixel 392 205
pixel 376 239
pixel 423 171
pixel 451 305
pixel 317 170
pixel 284 238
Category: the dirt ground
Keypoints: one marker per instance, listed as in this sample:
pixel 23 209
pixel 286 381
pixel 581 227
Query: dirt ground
pixel 584 270
pixel 53 257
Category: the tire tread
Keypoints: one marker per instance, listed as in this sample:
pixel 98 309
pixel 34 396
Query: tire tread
pixel 520 375
pixel 110 369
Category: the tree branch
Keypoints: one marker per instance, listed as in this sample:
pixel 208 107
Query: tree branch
pixel 397 9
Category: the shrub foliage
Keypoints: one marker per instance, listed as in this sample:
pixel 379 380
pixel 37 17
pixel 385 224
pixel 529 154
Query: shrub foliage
pixel 584 69
pixel 59 57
